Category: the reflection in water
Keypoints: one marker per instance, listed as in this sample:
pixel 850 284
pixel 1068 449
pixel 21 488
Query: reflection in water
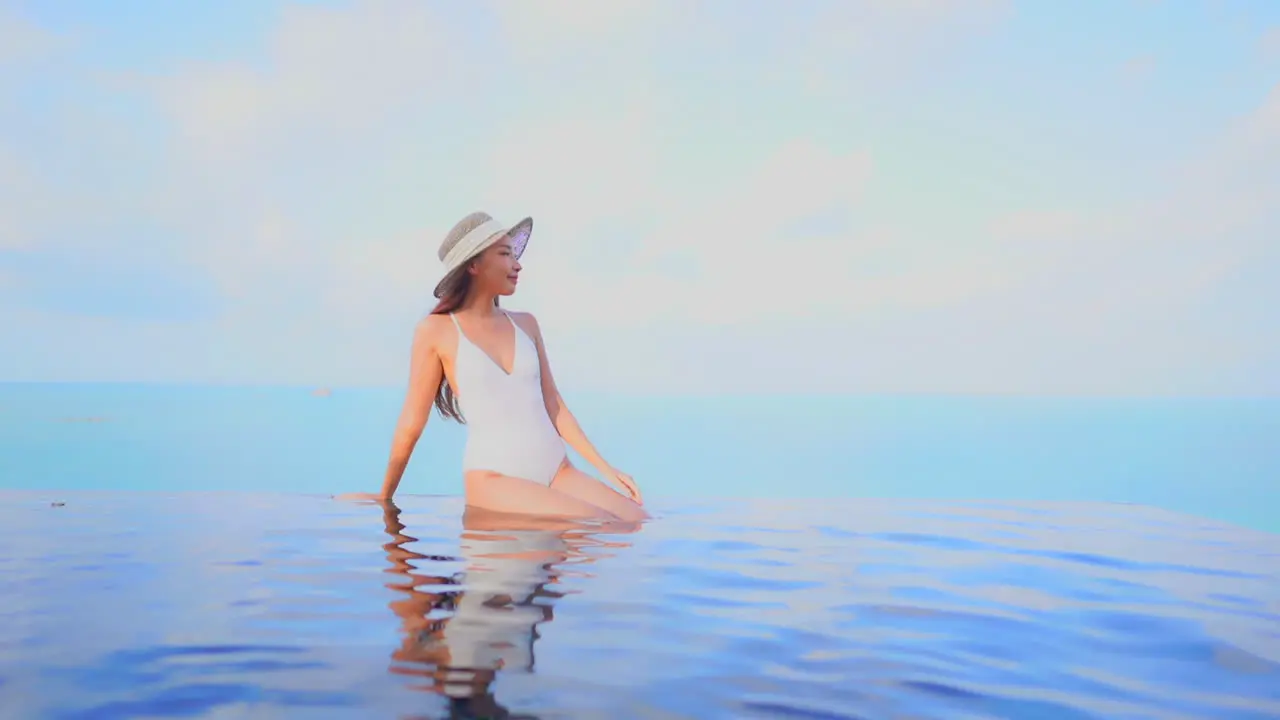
pixel 460 630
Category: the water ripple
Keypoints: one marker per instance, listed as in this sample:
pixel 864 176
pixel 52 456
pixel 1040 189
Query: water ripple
pixel 119 605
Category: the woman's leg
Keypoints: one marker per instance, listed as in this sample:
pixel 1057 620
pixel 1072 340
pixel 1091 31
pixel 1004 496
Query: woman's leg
pixel 572 481
pixel 517 496
pixel 477 519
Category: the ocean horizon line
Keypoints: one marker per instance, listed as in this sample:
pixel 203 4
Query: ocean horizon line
pixel 621 392
pixel 664 506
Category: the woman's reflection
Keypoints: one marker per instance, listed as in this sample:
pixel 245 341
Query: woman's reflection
pixel 460 630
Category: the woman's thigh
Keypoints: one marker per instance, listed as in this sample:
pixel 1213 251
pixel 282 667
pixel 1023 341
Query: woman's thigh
pixel 572 481
pixel 517 496
pixel 478 519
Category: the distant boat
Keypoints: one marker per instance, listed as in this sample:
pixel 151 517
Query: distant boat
pixel 321 392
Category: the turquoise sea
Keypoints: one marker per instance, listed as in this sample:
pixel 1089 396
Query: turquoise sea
pixel 173 552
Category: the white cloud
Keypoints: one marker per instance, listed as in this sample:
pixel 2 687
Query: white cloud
pixel 563 29
pixel 1131 298
pixel 21 41
pixel 1270 42
pixel 14 183
pixel 1142 298
pixel 72 161
pixel 281 183
pixel 1138 68
pixel 877 43
pixel 700 235
pixel 735 246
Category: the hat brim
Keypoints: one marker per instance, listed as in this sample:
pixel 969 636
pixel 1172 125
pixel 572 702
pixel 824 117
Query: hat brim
pixel 519 235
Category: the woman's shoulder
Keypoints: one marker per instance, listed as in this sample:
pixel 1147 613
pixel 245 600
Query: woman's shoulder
pixel 432 329
pixel 525 320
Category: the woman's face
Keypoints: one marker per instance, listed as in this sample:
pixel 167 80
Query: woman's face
pixel 497 270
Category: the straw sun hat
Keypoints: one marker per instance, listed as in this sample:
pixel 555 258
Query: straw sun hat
pixel 473 235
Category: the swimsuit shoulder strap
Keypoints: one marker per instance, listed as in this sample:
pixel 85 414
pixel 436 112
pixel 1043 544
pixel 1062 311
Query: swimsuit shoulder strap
pixel 462 337
pixel 519 330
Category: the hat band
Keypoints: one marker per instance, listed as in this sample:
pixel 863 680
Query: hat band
pixel 471 242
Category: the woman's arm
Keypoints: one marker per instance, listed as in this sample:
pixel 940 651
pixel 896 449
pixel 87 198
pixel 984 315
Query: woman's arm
pixel 566 424
pixel 425 376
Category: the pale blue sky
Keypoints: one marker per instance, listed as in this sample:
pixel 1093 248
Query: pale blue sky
pixel 898 195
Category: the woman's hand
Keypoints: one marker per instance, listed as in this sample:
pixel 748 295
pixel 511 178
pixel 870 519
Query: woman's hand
pixel 624 481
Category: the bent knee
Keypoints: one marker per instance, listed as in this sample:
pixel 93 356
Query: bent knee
pixel 630 511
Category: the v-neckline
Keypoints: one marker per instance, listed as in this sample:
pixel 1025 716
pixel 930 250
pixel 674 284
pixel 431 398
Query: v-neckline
pixel 515 346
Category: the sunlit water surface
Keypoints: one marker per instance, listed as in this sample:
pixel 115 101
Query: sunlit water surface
pixel 129 605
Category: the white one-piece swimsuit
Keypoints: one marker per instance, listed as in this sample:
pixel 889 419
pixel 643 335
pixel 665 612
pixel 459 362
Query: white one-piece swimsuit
pixel 509 431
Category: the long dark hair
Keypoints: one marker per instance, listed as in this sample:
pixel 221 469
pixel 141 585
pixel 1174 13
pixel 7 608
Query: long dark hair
pixel 455 294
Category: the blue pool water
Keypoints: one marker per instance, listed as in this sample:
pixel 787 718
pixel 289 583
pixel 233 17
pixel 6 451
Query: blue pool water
pixel 172 552
pixel 272 605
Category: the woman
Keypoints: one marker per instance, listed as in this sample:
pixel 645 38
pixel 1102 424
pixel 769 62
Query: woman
pixel 488 368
